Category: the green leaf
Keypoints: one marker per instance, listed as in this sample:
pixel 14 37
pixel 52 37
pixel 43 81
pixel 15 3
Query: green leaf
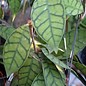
pixel 5 31
pixel 79 45
pixel 83 23
pixel 54 59
pixel 16 49
pixel 49 20
pixel 14 5
pixel 1 13
pixel 52 76
pixel 73 7
pixel 1 49
pixel 28 72
pixel 39 80
pixel 80 67
pixel 14 82
pixel 80 40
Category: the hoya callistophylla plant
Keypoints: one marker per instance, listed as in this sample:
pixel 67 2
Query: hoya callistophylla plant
pixel 36 59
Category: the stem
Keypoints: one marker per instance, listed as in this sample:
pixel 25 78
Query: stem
pixel 79 76
pixel 1 75
pixel 32 34
pixel 67 25
pixel 84 5
pixel 24 6
pixel 4 22
pixel 72 51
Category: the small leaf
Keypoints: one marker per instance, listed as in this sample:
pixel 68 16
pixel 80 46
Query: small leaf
pixel 39 80
pixel 28 72
pixel 5 31
pixel 14 5
pixel 73 7
pixel 80 67
pixel 55 60
pixel 52 76
pixel 16 49
pixel 49 20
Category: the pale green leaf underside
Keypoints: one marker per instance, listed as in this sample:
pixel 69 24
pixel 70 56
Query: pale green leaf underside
pixel 14 5
pixel 55 60
pixel 52 76
pixel 73 7
pixel 5 31
pixel 49 20
pixel 28 72
pixel 39 80
pixel 16 49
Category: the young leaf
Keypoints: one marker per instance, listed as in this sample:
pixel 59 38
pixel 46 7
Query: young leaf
pixel 14 5
pixel 16 49
pixel 73 7
pixel 28 72
pixel 55 60
pixel 49 20
pixel 5 31
pixel 52 76
pixel 39 80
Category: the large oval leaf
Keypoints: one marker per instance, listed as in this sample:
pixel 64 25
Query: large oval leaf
pixel 14 5
pixel 55 60
pixel 39 80
pixel 52 76
pixel 73 7
pixel 28 72
pixel 16 49
pixel 5 31
pixel 49 20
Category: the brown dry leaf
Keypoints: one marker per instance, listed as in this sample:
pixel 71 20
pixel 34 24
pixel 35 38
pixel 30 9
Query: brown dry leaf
pixel 21 18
